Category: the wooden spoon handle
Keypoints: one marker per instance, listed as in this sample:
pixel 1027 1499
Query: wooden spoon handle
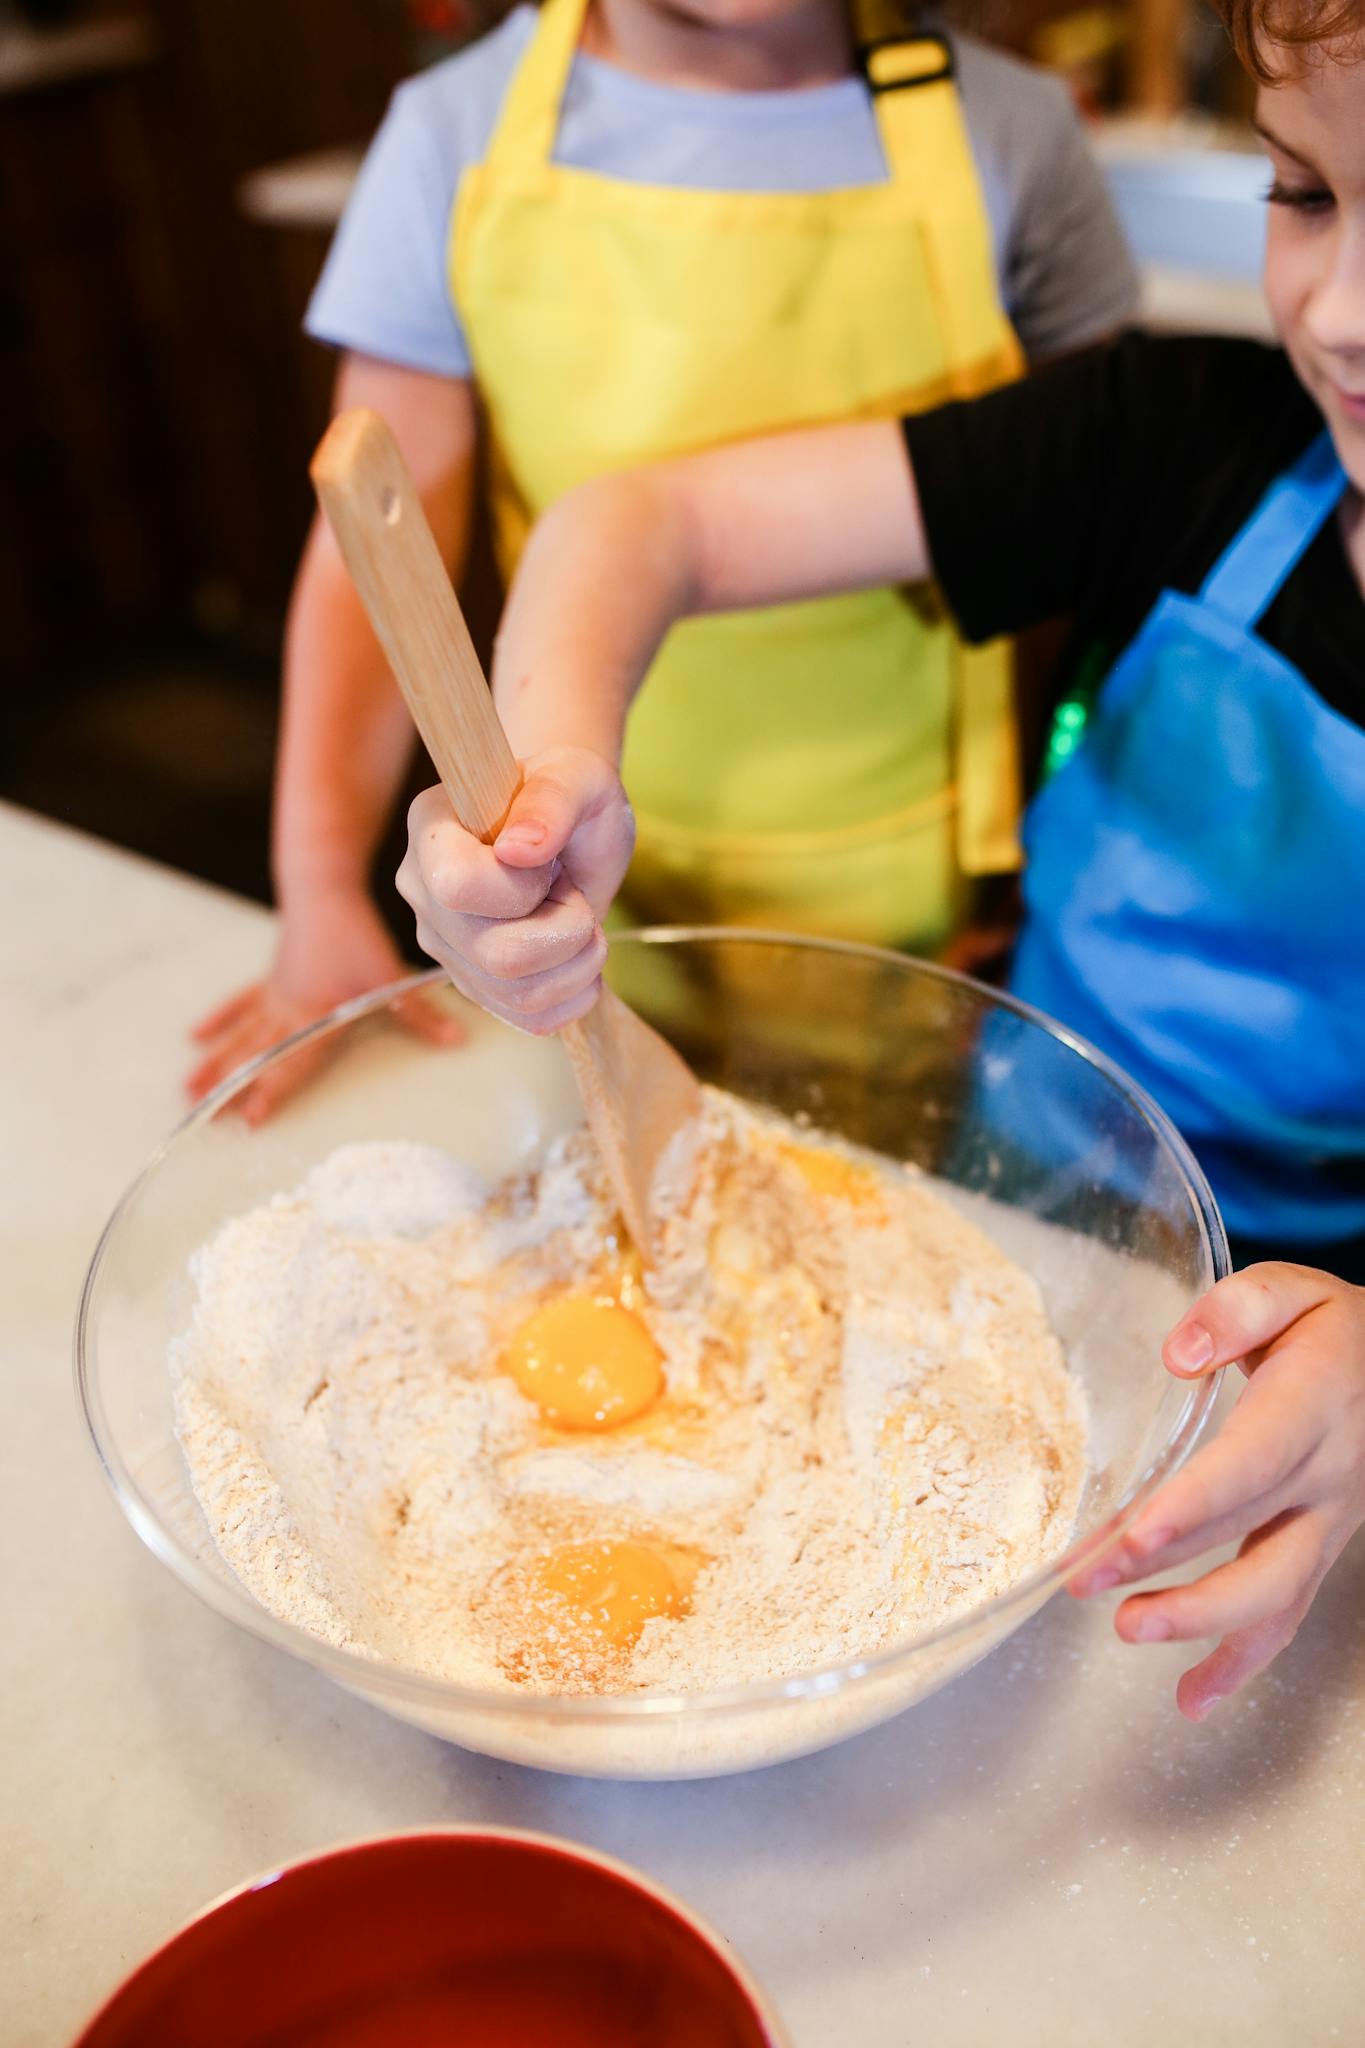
pixel 636 1091
pixel 373 508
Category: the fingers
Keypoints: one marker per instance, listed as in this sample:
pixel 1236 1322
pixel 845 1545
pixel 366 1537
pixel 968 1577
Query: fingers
pixel 238 1044
pixel 1238 1658
pixel 448 871
pixel 555 934
pixel 330 947
pixel 226 1014
pixel 522 942
pixel 1276 1564
pixel 1259 1451
pixel 486 953
pixel 1242 1314
pixel 429 1021
pixel 1286 1477
pixel 254 1028
pixel 1255 1603
pixel 542 820
pixel 267 1023
pixel 1245 1477
pixel 570 814
pixel 271 1090
pixel 539 1003
pixel 266 1026
pixel 544 1023
pixel 590 824
pixel 1296 1438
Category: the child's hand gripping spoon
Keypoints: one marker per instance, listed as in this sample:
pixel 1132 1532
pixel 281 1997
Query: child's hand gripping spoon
pixel 636 1091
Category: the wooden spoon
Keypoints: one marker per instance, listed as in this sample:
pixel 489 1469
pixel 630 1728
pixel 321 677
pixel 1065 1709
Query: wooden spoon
pixel 636 1091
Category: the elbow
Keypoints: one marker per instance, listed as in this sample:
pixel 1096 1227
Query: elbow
pixel 641 521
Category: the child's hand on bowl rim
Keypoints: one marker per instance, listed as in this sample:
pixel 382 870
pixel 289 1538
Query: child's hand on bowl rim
pixel 1284 1478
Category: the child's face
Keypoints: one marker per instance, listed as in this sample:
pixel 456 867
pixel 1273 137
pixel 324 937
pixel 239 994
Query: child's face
pixel 1314 128
pixel 743 14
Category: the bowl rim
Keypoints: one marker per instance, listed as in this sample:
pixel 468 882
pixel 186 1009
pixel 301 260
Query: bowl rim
pixel 710 1938
pixel 368 1675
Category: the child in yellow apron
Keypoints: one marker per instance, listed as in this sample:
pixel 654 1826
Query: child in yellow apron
pixel 510 274
pixel 842 766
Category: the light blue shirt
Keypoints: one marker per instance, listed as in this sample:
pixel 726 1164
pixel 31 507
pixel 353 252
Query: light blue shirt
pixel 1065 275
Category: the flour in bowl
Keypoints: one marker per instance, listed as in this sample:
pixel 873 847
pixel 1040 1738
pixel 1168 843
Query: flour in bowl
pixel 459 1429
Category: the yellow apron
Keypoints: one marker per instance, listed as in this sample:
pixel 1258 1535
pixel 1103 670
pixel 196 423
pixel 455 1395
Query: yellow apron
pixel 840 766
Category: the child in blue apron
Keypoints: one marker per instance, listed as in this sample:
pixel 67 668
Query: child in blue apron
pixel 1196 881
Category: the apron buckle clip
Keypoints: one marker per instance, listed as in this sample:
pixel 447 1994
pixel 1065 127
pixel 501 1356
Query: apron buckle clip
pixel 900 63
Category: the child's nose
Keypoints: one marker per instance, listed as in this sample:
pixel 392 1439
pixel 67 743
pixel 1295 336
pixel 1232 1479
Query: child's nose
pixel 1335 313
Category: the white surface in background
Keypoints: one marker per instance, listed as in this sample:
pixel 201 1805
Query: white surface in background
pixel 31 58
pixel 1043 1855
pixel 306 192
pixel 1190 199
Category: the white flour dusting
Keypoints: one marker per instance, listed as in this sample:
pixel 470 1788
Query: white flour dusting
pixel 867 1426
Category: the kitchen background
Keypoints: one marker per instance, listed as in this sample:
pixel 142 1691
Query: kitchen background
pixel 170 173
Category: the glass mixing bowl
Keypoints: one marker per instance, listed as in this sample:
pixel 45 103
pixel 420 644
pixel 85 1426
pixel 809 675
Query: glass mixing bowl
pixel 1049 1148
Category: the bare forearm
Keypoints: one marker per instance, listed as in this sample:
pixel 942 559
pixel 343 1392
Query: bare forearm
pixel 605 573
pixel 346 738
pixel 614 564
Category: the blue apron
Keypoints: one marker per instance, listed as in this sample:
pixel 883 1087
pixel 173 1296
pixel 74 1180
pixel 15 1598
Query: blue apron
pixel 1196 887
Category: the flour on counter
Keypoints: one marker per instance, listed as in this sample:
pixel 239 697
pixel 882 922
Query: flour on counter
pixel 867 1426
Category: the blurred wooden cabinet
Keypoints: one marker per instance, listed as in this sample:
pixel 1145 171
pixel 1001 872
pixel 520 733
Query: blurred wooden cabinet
pixel 90 514
pixel 153 432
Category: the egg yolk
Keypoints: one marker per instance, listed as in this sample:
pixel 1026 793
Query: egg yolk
pixel 586 1362
pixel 609 1589
pixel 829 1173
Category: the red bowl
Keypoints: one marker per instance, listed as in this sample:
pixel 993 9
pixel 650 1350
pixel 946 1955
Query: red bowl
pixel 491 1937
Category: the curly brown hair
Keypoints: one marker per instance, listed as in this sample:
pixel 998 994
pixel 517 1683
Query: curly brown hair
pixel 1271 36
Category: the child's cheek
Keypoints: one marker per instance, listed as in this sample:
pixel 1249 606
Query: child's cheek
pixel 1293 259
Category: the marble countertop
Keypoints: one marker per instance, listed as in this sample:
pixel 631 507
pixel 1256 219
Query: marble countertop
pixel 1043 1855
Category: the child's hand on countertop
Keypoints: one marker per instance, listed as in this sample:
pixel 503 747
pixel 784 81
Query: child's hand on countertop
pixel 517 925
pixel 333 946
pixel 1284 1478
